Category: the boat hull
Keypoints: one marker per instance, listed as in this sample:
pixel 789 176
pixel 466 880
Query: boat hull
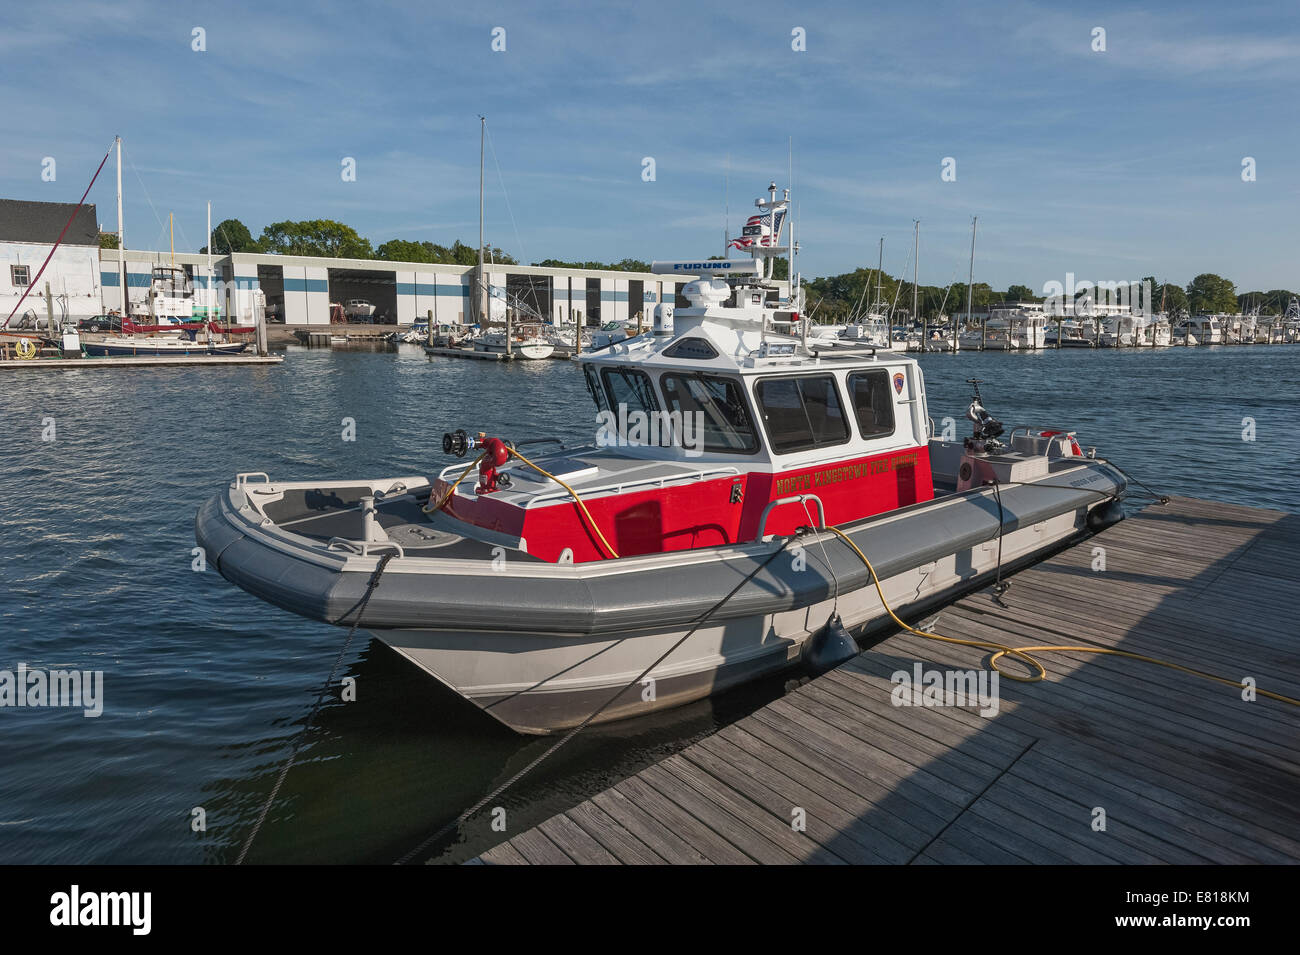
pixel 540 646
pixel 542 684
pixel 182 347
pixel 534 351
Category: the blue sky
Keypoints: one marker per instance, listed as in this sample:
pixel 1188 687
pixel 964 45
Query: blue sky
pixel 1111 165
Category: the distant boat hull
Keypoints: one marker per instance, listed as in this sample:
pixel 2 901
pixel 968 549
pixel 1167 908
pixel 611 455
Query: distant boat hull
pixel 161 347
pixel 531 350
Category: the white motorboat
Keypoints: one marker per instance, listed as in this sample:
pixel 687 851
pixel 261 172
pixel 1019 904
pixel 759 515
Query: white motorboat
pixel 358 310
pixel 1205 329
pixel 526 341
pixel 871 329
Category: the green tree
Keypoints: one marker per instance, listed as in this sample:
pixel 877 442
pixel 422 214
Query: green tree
pixel 1020 293
pixel 315 237
pixel 1276 300
pixel 231 235
pixel 1211 293
pixel 1169 297
pixel 626 265
pixel 108 240
pixel 404 250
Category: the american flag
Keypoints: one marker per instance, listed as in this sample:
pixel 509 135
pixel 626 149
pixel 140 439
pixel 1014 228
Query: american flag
pixel 758 230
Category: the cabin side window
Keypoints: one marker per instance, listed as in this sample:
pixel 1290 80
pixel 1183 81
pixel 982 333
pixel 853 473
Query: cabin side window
pixel 873 403
pixel 713 410
pixel 631 389
pixel 802 413
pixel 593 387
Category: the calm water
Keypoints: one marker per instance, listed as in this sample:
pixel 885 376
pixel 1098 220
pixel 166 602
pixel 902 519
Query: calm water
pixel 206 687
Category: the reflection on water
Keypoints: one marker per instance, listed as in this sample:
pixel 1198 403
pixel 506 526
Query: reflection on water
pixel 205 686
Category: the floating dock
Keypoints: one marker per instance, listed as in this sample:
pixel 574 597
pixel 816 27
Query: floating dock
pixel 1110 760
pixel 466 353
pixel 138 361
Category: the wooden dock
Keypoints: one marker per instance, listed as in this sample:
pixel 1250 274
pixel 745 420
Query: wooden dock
pixel 1184 769
pixel 140 361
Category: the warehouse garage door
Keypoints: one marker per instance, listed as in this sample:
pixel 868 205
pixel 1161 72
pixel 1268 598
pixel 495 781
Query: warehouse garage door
pixel 593 303
pixel 533 295
pixel 379 288
pixel 270 279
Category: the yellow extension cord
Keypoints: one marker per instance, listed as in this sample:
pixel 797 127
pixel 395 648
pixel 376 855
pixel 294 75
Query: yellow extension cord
pixel 432 508
pixel 591 521
pixel 1022 653
pixel 576 499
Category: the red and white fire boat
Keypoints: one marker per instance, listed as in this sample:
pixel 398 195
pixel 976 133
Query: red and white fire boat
pixel 688 549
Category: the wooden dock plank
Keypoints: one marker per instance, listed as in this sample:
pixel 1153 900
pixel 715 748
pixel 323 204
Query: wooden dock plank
pixel 704 839
pixel 621 843
pixel 574 842
pixel 833 828
pixel 639 824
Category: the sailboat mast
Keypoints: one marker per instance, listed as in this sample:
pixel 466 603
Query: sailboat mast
pixel 480 285
pixel 916 248
pixel 208 294
pixel 970 279
pixel 880 265
pixel 791 276
pixel 121 240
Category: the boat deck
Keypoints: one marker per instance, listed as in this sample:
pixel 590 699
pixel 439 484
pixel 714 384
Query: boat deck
pixel 1184 769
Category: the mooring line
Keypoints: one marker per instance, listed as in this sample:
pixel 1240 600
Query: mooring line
pixel 311 717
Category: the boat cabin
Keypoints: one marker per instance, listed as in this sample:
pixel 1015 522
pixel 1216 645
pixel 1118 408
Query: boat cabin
pixel 712 429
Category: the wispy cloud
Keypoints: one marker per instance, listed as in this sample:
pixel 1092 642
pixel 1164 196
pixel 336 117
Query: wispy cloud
pixel 1127 161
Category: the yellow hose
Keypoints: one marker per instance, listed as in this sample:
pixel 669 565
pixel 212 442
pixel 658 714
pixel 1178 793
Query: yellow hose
pixel 1022 653
pixel 431 508
pixel 576 499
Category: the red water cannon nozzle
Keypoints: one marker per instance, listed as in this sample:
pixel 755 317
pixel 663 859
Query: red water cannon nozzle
pixel 495 455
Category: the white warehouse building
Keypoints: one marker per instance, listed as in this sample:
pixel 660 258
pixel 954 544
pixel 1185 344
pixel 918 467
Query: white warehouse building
pixel 86 280
pixel 28 231
pixel 299 290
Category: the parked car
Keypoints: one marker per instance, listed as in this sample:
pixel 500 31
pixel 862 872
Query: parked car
pixel 100 323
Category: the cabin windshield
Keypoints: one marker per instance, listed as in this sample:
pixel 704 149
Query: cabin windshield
pixel 171 280
pixel 594 388
pixel 718 404
pixel 630 389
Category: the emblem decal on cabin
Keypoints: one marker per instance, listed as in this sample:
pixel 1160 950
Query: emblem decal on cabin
pixel 898 382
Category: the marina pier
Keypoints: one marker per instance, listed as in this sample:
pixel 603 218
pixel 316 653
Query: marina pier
pixel 1109 760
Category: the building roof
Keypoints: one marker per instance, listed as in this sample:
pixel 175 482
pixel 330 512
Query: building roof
pixel 22 221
